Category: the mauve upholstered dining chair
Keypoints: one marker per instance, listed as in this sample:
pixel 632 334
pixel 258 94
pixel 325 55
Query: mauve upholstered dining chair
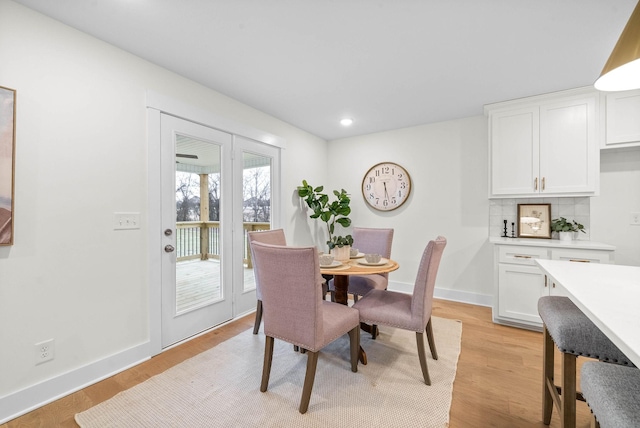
pixel 274 237
pixel 369 240
pixel 295 312
pixel 409 311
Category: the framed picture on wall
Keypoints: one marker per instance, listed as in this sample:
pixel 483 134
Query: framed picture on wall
pixel 7 162
pixel 534 221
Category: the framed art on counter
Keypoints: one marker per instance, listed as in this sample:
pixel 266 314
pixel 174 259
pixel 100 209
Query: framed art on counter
pixel 534 221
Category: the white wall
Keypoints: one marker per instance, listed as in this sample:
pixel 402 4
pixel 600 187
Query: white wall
pixel 448 164
pixel 619 197
pixel 81 156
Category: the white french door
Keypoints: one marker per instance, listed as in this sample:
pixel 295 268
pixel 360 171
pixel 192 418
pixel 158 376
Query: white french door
pixel 197 257
pixel 215 187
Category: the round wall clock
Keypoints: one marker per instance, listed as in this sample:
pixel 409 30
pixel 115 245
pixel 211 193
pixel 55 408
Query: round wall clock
pixel 386 186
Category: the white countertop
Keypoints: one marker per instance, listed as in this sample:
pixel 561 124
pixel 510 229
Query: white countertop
pixel 555 243
pixel 608 294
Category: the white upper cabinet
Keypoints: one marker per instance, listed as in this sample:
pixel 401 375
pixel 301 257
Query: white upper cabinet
pixel 514 150
pixel 544 146
pixel 622 119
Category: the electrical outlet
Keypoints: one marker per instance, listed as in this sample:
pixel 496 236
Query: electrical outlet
pixel 126 221
pixel 635 219
pixel 44 351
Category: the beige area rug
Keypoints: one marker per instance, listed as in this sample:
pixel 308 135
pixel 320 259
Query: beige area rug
pixel 221 387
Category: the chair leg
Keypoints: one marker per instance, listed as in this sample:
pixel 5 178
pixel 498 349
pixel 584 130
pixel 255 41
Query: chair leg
pixel 354 340
pixel 423 358
pixel 310 376
pixel 374 331
pixel 266 367
pixel 256 325
pixel 548 384
pixel 431 340
pixel 333 296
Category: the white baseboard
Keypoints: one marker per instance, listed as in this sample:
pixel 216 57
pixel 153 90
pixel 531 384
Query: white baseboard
pixel 28 399
pixel 448 294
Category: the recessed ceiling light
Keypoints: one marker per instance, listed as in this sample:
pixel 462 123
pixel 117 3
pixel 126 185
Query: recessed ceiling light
pixel 346 122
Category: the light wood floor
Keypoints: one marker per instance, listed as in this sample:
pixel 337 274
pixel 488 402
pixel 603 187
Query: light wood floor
pixel 498 382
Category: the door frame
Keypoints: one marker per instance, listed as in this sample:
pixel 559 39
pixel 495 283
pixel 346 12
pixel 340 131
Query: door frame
pixel 156 104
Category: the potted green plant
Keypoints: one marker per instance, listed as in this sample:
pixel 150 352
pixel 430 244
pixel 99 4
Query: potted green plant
pixel 331 213
pixel 565 228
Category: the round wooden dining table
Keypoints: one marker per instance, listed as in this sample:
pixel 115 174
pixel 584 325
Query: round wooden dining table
pixel 355 266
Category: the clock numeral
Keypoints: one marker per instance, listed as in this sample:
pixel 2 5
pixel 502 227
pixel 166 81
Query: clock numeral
pixel 385 202
pixel 371 196
pixel 403 185
pixel 372 180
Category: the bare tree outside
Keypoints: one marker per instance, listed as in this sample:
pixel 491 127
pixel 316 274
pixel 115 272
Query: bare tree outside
pixel 214 197
pixel 187 196
pixel 257 195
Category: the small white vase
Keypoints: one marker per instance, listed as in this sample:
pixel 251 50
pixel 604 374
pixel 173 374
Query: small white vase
pixel 565 236
pixel 341 253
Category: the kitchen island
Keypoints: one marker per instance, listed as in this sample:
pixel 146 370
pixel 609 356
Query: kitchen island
pixel 608 294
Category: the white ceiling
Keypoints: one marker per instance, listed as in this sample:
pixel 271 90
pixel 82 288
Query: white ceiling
pixel 387 63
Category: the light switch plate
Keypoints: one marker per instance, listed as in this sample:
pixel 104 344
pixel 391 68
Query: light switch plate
pixel 123 221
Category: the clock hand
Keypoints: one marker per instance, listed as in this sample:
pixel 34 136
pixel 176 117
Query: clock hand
pixel 386 194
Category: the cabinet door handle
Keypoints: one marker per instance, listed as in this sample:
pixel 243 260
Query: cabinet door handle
pixel 543 183
pixel 518 256
pixel 535 184
pixel 545 281
pixel 580 260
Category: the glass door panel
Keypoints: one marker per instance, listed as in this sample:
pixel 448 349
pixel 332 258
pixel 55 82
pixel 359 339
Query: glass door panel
pixel 259 164
pixel 198 279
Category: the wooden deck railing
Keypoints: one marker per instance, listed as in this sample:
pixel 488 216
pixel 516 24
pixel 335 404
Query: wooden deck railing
pixel 201 240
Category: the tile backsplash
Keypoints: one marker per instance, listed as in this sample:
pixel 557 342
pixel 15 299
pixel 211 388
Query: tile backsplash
pixel 577 209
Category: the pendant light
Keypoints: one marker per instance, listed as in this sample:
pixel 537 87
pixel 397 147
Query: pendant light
pixel 622 70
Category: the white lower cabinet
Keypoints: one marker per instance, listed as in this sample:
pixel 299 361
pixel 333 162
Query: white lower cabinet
pixel 520 283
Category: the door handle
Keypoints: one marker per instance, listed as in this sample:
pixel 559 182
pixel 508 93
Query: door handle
pixel 169 248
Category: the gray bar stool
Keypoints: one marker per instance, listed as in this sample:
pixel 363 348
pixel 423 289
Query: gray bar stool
pixel 575 335
pixel 612 393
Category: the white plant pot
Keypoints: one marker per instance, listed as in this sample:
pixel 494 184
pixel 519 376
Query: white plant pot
pixel 565 236
pixel 341 253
